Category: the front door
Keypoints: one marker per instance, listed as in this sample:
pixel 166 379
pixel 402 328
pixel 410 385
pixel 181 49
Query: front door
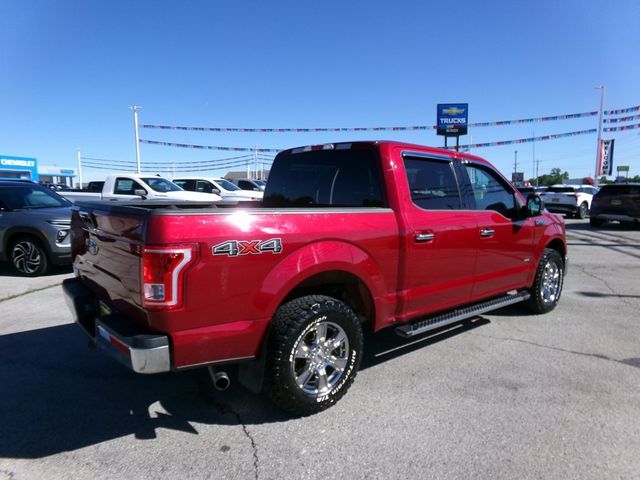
pixel 504 240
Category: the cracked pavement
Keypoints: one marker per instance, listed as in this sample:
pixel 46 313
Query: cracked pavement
pixel 509 395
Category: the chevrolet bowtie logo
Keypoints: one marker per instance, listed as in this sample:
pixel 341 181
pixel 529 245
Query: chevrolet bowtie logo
pixel 452 111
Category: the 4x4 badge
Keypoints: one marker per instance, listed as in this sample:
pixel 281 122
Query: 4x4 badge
pixel 234 248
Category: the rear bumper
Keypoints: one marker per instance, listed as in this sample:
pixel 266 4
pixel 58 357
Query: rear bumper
pixel 613 217
pixel 561 208
pixel 139 350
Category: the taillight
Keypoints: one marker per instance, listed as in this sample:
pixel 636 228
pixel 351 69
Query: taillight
pixel 162 275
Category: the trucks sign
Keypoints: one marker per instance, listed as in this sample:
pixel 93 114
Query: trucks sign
pixel 452 119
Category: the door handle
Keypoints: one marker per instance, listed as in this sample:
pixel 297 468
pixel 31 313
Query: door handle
pixel 424 237
pixel 487 232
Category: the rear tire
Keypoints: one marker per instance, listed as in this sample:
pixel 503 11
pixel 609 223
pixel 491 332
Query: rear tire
pixel 313 354
pixel 547 285
pixel 583 211
pixel 28 257
pixel 595 222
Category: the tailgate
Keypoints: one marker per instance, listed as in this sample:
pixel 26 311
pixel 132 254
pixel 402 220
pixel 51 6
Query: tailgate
pixel 106 244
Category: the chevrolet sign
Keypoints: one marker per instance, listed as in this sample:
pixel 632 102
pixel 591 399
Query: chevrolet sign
pixel 452 119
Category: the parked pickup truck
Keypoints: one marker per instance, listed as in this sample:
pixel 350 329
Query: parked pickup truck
pixel 128 187
pixel 228 191
pixel 349 237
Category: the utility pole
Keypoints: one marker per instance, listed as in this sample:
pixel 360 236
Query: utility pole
pixel 79 167
pixel 602 89
pixel 515 166
pixel 255 161
pixel 533 154
pixel 537 170
pixel 135 109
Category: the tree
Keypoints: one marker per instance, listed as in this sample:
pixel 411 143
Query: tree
pixel 556 176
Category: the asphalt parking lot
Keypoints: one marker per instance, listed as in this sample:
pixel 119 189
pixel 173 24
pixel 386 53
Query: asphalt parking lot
pixel 509 396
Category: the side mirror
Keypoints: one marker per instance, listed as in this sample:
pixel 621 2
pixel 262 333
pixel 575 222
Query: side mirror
pixel 534 205
pixel 141 193
pixel 216 191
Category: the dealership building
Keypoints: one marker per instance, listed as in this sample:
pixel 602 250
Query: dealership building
pixel 27 168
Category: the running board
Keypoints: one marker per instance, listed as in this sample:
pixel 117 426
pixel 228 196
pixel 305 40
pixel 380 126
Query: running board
pixel 453 316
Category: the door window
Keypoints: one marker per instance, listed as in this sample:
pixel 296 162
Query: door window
pixel 432 184
pixel 490 192
pixel 203 186
pixel 126 186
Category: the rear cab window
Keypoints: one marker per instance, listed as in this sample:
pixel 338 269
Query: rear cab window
pixel 344 176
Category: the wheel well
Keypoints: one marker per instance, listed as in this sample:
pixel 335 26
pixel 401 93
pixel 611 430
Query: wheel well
pixel 344 286
pixel 558 246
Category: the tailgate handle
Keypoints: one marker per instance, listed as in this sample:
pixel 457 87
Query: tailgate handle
pixel 424 237
pixel 86 219
pixel 487 232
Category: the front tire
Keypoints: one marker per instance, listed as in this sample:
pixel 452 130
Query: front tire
pixel 314 351
pixel 596 222
pixel 547 285
pixel 28 258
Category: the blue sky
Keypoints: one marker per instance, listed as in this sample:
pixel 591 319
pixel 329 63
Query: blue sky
pixel 69 70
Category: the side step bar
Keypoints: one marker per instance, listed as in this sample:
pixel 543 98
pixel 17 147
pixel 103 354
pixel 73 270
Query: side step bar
pixel 431 323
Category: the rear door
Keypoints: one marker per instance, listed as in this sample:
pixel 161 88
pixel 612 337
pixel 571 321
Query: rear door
pixel 440 238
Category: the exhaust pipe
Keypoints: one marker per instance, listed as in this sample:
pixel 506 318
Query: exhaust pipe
pixel 220 379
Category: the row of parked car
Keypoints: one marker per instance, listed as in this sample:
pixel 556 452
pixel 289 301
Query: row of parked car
pixel 614 202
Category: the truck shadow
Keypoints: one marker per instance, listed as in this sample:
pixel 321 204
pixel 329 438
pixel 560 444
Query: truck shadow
pixel 60 396
pixel 386 345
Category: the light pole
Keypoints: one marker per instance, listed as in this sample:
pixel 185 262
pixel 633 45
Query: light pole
pixel 602 89
pixel 135 109
pixel 79 167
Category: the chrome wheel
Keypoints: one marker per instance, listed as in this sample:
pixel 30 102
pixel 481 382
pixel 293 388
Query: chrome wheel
pixel 551 283
pixel 319 358
pixel 27 257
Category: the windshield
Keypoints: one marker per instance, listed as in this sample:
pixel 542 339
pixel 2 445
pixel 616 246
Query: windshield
pixel 161 185
pixel 31 196
pixel 226 184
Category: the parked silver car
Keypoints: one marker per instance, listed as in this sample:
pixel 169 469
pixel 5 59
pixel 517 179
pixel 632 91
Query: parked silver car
pixel 34 227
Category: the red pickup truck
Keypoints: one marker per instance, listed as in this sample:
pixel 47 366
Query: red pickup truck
pixel 349 237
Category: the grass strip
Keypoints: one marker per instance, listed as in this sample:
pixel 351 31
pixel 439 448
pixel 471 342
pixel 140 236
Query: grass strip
pixel 11 297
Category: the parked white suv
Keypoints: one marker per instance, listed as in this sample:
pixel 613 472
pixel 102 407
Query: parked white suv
pixel 574 200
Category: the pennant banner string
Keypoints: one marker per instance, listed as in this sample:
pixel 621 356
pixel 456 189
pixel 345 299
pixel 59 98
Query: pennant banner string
pixel 363 129
pixel 621 128
pixel 542 138
pixel 474 145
